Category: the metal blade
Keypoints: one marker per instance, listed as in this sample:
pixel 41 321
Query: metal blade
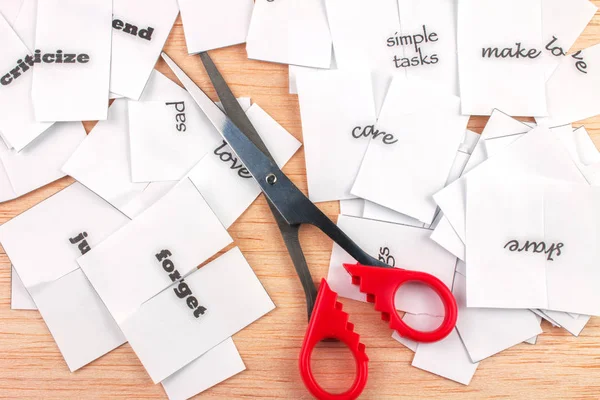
pixel 290 233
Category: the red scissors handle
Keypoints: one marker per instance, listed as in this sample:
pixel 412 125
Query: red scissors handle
pixel 381 284
pixel 328 321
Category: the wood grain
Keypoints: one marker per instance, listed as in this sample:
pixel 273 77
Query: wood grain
pixel 558 367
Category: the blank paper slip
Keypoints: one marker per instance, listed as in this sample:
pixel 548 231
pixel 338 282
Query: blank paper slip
pixel 71 82
pixel 179 227
pixel 500 43
pixel 451 199
pixel 530 249
pixel 20 299
pixel 447 358
pixel 196 313
pixel 398 246
pixel 338 117
pixel 290 32
pixel 222 179
pixel 426 42
pixel 18 125
pixel 40 163
pixel 359 29
pixel 214 23
pixel 109 140
pixel 375 211
pixel 216 365
pixel 486 331
pixel 64 227
pixel 25 23
pixel 401 170
pixel 571 90
pixel 10 9
pixel 352 207
pixel 562 23
pixel 139 31
pixel 102 163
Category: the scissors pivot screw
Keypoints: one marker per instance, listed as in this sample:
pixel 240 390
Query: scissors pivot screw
pixel 271 179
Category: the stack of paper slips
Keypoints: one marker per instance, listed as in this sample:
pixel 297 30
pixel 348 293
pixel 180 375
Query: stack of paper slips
pixel 505 219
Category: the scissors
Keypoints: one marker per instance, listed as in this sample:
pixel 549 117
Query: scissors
pixel 291 208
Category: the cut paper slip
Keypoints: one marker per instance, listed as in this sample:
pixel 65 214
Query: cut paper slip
pixel 548 261
pixel 65 226
pixel 402 156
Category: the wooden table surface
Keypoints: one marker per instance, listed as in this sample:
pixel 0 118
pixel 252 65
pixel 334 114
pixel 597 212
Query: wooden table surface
pixel 559 366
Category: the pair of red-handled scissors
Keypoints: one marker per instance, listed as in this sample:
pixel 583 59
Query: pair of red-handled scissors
pixel 291 208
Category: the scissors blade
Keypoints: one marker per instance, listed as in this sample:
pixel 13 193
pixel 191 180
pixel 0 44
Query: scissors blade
pixel 290 202
pixel 290 233
pixel 278 188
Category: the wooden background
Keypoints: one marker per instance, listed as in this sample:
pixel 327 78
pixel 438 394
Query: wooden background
pixel 558 366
